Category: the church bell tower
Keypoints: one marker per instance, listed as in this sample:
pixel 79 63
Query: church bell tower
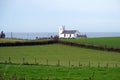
pixel 61 29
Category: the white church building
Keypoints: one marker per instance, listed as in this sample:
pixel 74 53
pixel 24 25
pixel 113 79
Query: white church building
pixel 63 33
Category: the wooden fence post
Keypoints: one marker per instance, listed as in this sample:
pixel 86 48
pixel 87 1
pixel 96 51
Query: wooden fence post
pixel 107 65
pixel 98 64
pixel 10 60
pixel 89 64
pixel 58 63
pixel 23 60
pixel 69 63
pixel 35 61
pixel 116 65
pixel 47 62
pixel 79 64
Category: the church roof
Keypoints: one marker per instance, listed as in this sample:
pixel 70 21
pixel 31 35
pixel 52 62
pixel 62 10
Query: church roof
pixel 69 31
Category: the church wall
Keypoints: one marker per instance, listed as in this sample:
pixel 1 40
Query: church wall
pixel 72 35
pixel 61 35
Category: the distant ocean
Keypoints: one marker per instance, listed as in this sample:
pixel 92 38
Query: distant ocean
pixel 49 34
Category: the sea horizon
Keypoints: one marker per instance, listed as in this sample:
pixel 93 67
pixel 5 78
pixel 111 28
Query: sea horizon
pixel 33 35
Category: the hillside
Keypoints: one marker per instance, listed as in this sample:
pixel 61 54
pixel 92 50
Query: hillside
pixel 103 41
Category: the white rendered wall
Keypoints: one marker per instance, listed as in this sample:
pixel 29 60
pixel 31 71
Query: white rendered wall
pixel 72 35
pixel 67 36
pixel 61 35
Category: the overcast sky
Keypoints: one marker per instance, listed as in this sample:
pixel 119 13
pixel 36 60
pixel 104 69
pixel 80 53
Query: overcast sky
pixel 48 15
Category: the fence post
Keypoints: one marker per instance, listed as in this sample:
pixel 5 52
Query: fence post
pixel 58 63
pixel 47 62
pixel 107 65
pixel 79 64
pixel 35 61
pixel 23 60
pixel 69 63
pixel 98 64
pixel 116 65
pixel 89 64
pixel 10 60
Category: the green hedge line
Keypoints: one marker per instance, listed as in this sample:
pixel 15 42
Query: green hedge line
pixel 61 42
pixel 27 43
pixel 90 46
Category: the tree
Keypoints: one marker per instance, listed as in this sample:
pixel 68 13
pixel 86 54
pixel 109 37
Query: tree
pixel 2 35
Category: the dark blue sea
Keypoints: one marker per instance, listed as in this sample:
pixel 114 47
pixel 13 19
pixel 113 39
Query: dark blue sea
pixel 32 35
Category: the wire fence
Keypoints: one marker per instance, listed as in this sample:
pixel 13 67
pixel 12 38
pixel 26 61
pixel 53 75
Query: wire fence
pixel 58 62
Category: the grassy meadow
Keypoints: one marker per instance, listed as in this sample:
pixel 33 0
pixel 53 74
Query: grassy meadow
pixel 38 72
pixel 55 52
pixel 75 63
pixel 103 41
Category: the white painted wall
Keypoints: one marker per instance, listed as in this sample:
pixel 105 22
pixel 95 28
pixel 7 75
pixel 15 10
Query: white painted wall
pixel 72 35
pixel 62 28
pixel 69 36
pixel 61 35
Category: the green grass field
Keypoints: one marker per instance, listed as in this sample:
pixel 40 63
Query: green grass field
pixel 33 72
pixel 60 52
pixel 68 57
pixel 104 41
